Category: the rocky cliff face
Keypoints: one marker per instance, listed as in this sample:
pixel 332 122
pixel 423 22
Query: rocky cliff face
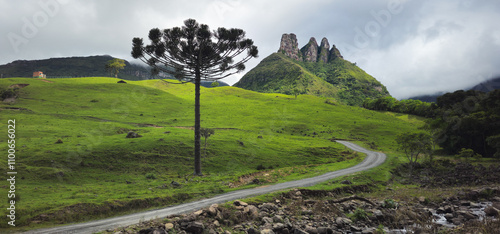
pixel 335 53
pixel 324 50
pixel 311 52
pixel 290 46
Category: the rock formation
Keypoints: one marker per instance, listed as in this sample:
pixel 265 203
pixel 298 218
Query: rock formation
pixel 310 51
pixel 290 46
pixel 324 50
pixel 335 53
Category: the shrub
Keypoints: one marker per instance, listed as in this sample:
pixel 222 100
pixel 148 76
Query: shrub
pixel 261 167
pixel 390 204
pixel 151 176
pixel 360 214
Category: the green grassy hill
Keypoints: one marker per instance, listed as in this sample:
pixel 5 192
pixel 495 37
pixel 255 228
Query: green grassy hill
pixel 96 172
pixel 339 79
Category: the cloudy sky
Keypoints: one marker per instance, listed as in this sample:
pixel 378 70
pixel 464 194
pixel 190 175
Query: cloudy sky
pixel 412 46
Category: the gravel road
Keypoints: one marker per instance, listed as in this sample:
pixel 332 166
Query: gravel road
pixel 372 159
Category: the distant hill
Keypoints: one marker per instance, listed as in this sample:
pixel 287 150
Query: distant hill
pixel 91 66
pixel 315 70
pixel 486 86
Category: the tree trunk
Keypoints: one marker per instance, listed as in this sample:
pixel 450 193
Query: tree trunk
pixel 197 125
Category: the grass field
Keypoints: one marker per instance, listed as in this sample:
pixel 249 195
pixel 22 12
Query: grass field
pixel 96 172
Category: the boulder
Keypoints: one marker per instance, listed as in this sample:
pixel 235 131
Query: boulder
pixel 343 221
pixel 169 226
pixel 267 231
pixel 269 207
pixel 195 227
pixel 325 230
pixel 371 230
pixel 252 231
pixel 491 211
pixel 278 227
pixel 267 220
pixel 159 231
pixel 311 230
pixel 240 203
pixel 278 219
pixel 300 231
pixel 251 211
pixel 213 210
pixel 467 215
pixel 175 184
pixel 132 134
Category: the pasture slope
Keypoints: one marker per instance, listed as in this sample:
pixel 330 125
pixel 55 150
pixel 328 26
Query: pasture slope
pixel 74 163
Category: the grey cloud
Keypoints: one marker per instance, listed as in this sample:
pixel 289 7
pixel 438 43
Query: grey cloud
pixel 426 46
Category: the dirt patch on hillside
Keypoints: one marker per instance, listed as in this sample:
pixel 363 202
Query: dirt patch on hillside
pixel 48 81
pixel 252 178
pixel 18 86
pixel 149 125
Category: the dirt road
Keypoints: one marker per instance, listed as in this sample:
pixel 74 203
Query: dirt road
pixel 372 159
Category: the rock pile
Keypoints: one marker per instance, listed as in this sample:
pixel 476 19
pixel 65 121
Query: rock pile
pixel 299 212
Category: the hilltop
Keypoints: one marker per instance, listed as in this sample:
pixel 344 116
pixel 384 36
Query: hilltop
pixel 90 66
pixel 315 70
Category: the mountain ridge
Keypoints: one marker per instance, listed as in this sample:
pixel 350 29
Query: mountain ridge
pixel 485 86
pixel 80 66
pixel 314 70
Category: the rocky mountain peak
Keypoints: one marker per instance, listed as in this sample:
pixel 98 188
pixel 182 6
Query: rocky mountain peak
pixel 335 53
pixel 290 46
pixel 324 50
pixel 310 51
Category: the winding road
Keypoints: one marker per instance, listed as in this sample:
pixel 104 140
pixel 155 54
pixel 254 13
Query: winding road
pixel 372 160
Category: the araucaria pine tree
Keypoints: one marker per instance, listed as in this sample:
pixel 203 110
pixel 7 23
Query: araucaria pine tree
pixel 192 53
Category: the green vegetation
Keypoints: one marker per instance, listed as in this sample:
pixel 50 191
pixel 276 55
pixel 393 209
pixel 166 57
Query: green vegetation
pixel 339 79
pixel 458 120
pixel 196 54
pixel 72 67
pixel 468 119
pixel 407 106
pixel 114 66
pixel 96 172
pixel 414 145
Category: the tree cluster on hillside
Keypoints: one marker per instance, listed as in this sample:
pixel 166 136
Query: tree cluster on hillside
pixel 459 120
pixel 470 120
pixel 409 106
